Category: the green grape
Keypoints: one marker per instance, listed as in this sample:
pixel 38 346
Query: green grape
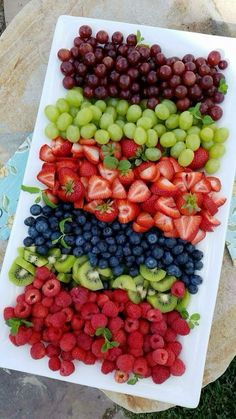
pixel 102 136
pixel 144 122
pixel 221 135
pixel 149 113
pixel 152 138
pixel 73 133
pixel 88 131
pixel 97 113
pixel 213 126
pixel 120 123
pixel 122 107
pixel 73 111
pixel 64 120
pixel 212 166
pixel 170 105
pixel 63 134
pixel 129 130
pixel 106 120
pixel 180 134
pixel 74 98
pixel 217 151
pixel 85 104
pixel 168 139
pixel 78 88
pixel 186 157
pixel 177 149
pixel 140 136
pixel 153 154
pixel 207 144
pixel 115 131
pixel 112 101
pixel 160 129
pixel 173 121
pixel 133 113
pixel 193 141
pixel 112 111
pixel 101 104
pixel 194 130
pixel 52 113
pixel 84 116
pixel 185 120
pixel 62 105
pixel 206 134
pixel 162 112
pixel 51 131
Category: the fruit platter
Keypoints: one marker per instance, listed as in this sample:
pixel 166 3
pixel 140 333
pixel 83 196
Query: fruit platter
pixel 111 272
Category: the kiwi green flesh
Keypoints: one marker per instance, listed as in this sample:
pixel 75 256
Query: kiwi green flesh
pixel 134 297
pixel 54 252
pixel 19 276
pixel 106 272
pixel 138 280
pixel 152 274
pixel 124 282
pixel 34 258
pixel 79 262
pixel 164 302
pixel 183 302
pixel 26 265
pixel 20 251
pixel 66 278
pixel 66 265
pixel 165 284
pixel 89 277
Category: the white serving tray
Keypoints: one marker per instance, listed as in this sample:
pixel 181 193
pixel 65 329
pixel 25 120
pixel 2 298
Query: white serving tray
pixel 184 390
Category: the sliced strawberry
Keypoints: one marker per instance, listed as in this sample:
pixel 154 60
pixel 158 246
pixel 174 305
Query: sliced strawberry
pixel 127 211
pixel 110 149
pixel 98 188
pixel 126 178
pixel 118 190
pixel 188 226
pixel 92 205
pixel 167 205
pixel 157 175
pixel 202 186
pixel 138 192
pixel 173 233
pixel 69 163
pixel 72 189
pixel 47 176
pixel 199 237
pixel 85 182
pixel 87 141
pixel 209 205
pixel 166 168
pixel 149 173
pixel 164 187
pixel 176 166
pixel 145 220
pixel 77 150
pixel 215 183
pixel 106 211
pixel 219 200
pixel 139 228
pixel 192 178
pixel 87 169
pixel 189 203
pixel 149 205
pixel 79 204
pixel 201 156
pixel 61 147
pixel 92 153
pixel 106 173
pixel 213 221
pixel 46 154
pixel 180 182
pixel 49 166
pixel 56 187
pixel 163 222
pixel 129 148
pixel 50 196
pixel 205 225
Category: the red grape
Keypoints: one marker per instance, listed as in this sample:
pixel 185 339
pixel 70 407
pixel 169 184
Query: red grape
pixel 218 97
pixel 152 77
pixel 67 68
pixel 144 52
pixel 200 61
pixel 79 81
pixel 206 82
pixel 123 49
pixel 135 99
pixel 203 108
pixel 223 64
pixel 84 48
pixel 133 57
pixel 80 68
pixel 214 58
pixel 68 82
pixel 125 94
pixel 124 81
pixel 133 73
pixel 92 80
pixel 135 87
pixel 100 92
pixel 189 78
pixel 109 62
pixel 98 54
pixel 159 59
pixel 88 92
pixel 90 59
pixel 168 93
pixel 64 54
pixel 174 81
pixel 92 41
pixel 190 66
pixel 215 112
pixel 121 65
pixel 217 78
pixel 165 72
pixel 117 38
pixel 204 69
pixel 85 31
pixel 102 37
pixel 178 67
pixel 155 49
pixel 112 90
pixel 153 91
pixel 78 41
pixel 100 70
pixel 144 68
pixel 195 92
pixel 131 39
pixel 187 58
pixel 183 104
pixel 74 52
pixel 152 102
pixel 181 91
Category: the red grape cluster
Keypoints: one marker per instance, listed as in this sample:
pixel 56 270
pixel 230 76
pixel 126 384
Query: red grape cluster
pixel 129 70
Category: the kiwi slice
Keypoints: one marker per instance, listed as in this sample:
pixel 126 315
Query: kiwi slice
pixel 26 265
pixel 152 274
pixel 164 302
pixel 53 255
pixel 165 284
pixel 134 296
pixel 65 265
pixel 75 270
pixel 19 275
pixel 183 302
pixel 30 248
pixel 124 282
pixel 34 258
pixel 106 273
pixel 66 278
pixel 89 277
pixel 20 251
pixel 138 280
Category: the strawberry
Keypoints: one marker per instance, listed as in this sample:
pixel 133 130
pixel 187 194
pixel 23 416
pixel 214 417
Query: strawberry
pixel 144 219
pixel 189 203
pixel 84 180
pixel 50 196
pixel 72 189
pixel 80 203
pixel 87 141
pixel 149 173
pixel 106 211
pixel 164 187
pixel 138 192
pixel 163 222
pixel 111 149
pixel 215 183
pixel 98 188
pixel 46 154
pixel 47 176
pixel 48 166
pixel 87 169
pixel 106 173
pixel 219 200
pixel 209 205
pixel 206 225
pixel 173 233
pixel 126 177
pixel 127 211
pixel 129 148
pixel 92 205
pixel 211 220
pixel 77 150
pixel 166 168
pixel 180 182
pixel 139 228
pixel 202 186
pixel 149 205
pixel 176 166
pixel 69 163
pixel 192 178
pixel 188 226
pixel 118 190
pixel 199 237
pixel 91 153
pixel 61 147
pixel 201 156
pixel 167 205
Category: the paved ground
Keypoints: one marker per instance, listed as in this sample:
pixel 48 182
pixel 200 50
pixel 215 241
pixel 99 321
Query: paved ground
pixel 2 19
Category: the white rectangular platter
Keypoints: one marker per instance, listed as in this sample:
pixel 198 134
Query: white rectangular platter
pixel 184 390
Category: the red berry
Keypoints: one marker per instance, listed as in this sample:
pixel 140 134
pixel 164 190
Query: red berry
pixel 38 283
pixel 51 287
pixel 125 363
pixel 79 295
pixel 113 353
pixel 136 352
pixel 76 322
pixel 47 302
pixel 159 327
pixel 63 299
pixel 135 339
pixel 13 340
pixel 67 368
pixel 160 374
pixel 145 307
pixel 92 297
pixel 121 377
pixel 23 335
pixel 156 341
pixel 102 299
pixel 200 158
pixel 84 341
pixel 66 356
pixel 107 366
pixel 171 357
pixel 176 347
pixel 68 312
pixel 88 310
pixel 133 310
pixel 38 324
pixel 129 148
pixel 181 327
pixel 52 350
pixel 90 358
pixel 32 296
pixel 115 324
pixel 171 316
pixel 42 273
pixel 67 342
pixel 97 348
pixel 154 315
pixel 178 289
pixel 110 309
pixel 160 356
pixel 143 327
pixel 20 298
pixel 54 363
pixel 146 343
pixel 58 319
pixel 177 368
pixel 140 366
pixel 78 353
pixel 120 337
pixel 170 335
pixel 120 296
pixel 54 308
pixel 150 360
pixel 8 313
pixel 88 328
pixel 38 310
pixel 131 325
pixel 22 310
pixel 38 351
pixel 54 334
pixel 34 338
pixel 99 320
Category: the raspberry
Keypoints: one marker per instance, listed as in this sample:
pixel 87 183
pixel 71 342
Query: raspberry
pixel 133 310
pixel 54 334
pixel 99 320
pixel 84 341
pixel 22 310
pixel 32 296
pixel 150 360
pixel 34 338
pixel 39 311
pixel 113 353
pixel 58 319
pixel 148 373
pixel 121 377
pixel 125 363
pixel 170 335
pixel 78 353
pixel 131 325
pixel 67 342
pixel 38 324
pixel 156 341
pixel 140 366
pixel 54 363
pixel 178 289
pixel 51 288
pixel 88 328
pixel 8 313
pixel 23 335
pixel 120 296
pixel 120 337
pixel 108 293
pixel 65 328
pixel 38 283
pixel 181 327
pixel 54 308
pixel 38 351
pixel 69 313
pixel 107 366
pixel 90 358
pixel 28 287
pixel 47 301
pixel 101 300
pixel 67 368
pixel 88 310
pixel 154 315
pixel 47 320
pixel 13 340
pixel 115 324
pixel 136 352
pixel 143 327
pixel 79 295
pixel 42 273
pixel 92 297
pixel 176 347
pixel 63 299
pixel 52 350
pixel 145 307
pixel 45 336
pixel 20 298
pixel 78 306
pixel 159 327
pixel 110 309
pixel 66 356
pixel 160 374
pixel 120 307
pixel 135 340
pixel 76 322
pixel 178 367
pixel 171 358
pixel 160 356
pixel 97 348
pixel 172 316
pixel 146 343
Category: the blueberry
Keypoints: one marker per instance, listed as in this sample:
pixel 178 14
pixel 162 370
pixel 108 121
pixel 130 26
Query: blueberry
pixel 28 241
pixel 119 252
pixel 135 238
pixel 81 219
pixel 170 243
pixel 29 221
pixel 102 225
pixel 117 270
pixel 102 263
pixel 102 246
pixel 167 258
pixel 95 230
pixel 95 240
pixel 193 289
pixel 77 212
pixel 79 241
pixel 94 221
pixel 112 249
pixel 49 244
pixel 113 261
pixel 67 227
pixel 67 206
pixel 127 251
pixel 47 234
pixel 161 240
pixel 152 238
pixel 41 226
pixel 42 250
pixel 41 218
pixel 87 247
pixel 39 241
pixel 115 226
pixel 87 235
pixel 106 285
pixel 47 210
pixel 150 262
pixel 87 226
pixel 195 279
pixel 107 232
pixel 130 259
pixel 110 240
pixel 140 260
pixel 133 271
pixel 33 233
pixel 189 271
pixel 157 253
pixel 93 260
pixel 189 265
pixel 129 231
pixel 189 248
pixel 177 250
pixel 181 259
pixel 78 251
pixel 106 255
pixel 65 251
pixel 174 270
pixel 181 241
pixel 198 265
pixel 137 250
pixel 185 279
pixel 95 250
pixel 197 254
pixel 144 245
pixel 69 240
pixel 58 213
pixel 35 209
pixel 55 235
pixel 129 264
pixel 78 230
pixel 121 239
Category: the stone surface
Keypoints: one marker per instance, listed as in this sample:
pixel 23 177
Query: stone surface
pixel 28 38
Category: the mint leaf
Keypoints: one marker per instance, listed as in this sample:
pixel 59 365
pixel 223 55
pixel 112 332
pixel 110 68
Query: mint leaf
pixel 195 316
pixel 107 334
pixel 30 189
pixel 105 347
pixel 47 201
pixel 124 165
pixel 114 344
pixel 223 86
pixel 184 314
pixel 63 243
pixel 100 331
pixel 110 162
pixel 14 323
pixel 62 224
pixel 195 111
pixel 38 199
pixel 191 325
pixel 26 323
pixel 139 36
pixel 207 120
pixel 57 240
pixel 133 380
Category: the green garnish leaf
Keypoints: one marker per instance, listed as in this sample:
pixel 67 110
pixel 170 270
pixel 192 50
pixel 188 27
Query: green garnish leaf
pixel 62 224
pixel 207 120
pixel 114 344
pixel 138 162
pixel 57 240
pixel 195 316
pixel 223 86
pixel 63 243
pixel 140 38
pixel 47 201
pixel 184 314
pixel 30 189
pixel 38 199
pixel 14 323
pixel 100 331
pixel 107 334
pixel 191 325
pixel 134 379
pixel 195 111
pixel 105 347
pixel 124 165
pixel 110 162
